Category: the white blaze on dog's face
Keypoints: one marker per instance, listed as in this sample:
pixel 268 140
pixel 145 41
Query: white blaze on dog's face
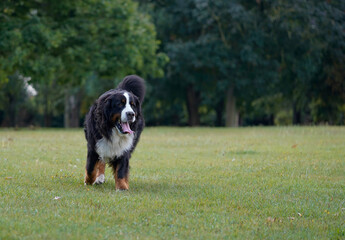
pixel 124 112
pixel 128 110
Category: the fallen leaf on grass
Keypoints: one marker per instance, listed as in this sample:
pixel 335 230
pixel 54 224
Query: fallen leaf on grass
pixel 270 220
pixel 291 218
pixel 8 178
pixel 294 146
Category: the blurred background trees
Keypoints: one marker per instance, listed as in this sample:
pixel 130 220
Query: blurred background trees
pixel 216 63
pixel 73 51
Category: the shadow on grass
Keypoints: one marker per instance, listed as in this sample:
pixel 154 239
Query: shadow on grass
pixel 157 187
pixel 145 186
pixel 242 152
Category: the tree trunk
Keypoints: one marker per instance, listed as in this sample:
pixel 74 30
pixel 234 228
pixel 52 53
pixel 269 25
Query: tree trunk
pixel 193 100
pixel 232 116
pixel 47 119
pixel 271 120
pixel 72 109
pixel 46 113
pixel 12 112
pixel 296 115
pixel 219 113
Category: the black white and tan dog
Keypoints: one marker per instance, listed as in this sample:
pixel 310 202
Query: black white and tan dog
pixel 112 130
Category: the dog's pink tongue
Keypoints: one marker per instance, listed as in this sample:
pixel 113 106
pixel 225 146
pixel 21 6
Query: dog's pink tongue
pixel 126 128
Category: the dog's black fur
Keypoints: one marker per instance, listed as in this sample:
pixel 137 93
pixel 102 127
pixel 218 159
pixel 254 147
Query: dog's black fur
pixel 101 120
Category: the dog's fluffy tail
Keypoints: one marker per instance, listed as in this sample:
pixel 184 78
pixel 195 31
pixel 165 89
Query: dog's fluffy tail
pixel 134 84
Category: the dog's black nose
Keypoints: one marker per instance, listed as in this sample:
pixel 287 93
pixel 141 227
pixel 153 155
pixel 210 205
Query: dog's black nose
pixel 130 115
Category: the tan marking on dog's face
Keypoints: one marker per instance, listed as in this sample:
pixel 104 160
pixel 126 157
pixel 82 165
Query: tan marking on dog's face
pixel 116 117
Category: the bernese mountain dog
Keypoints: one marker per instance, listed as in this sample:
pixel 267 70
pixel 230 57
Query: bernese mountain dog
pixel 112 130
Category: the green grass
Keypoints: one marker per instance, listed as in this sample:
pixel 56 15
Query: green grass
pixel 185 183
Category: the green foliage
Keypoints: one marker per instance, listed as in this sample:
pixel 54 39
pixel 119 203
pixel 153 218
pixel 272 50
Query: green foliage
pixel 261 48
pixel 64 39
pixel 185 183
pixel 308 35
pixel 13 99
pixel 212 46
pixel 65 43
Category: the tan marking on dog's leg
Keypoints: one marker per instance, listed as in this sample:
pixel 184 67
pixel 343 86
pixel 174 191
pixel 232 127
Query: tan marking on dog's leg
pixel 101 168
pixel 100 177
pixel 127 179
pixel 121 183
pixel 90 178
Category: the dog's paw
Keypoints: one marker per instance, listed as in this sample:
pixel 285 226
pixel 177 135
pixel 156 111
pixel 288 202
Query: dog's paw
pixel 121 190
pixel 87 183
pixel 121 184
pixel 99 180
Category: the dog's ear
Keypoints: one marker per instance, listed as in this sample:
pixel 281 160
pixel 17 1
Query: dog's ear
pixel 103 116
pixel 138 105
pixel 135 85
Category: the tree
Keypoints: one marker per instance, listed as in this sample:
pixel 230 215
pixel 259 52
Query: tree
pixel 310 36
pixel 66 42
pixel 246 65
pixel 217 51
pixel 12 98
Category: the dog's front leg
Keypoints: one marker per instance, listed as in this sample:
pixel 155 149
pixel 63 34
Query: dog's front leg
pixel 121 173
pixel 91 167
pixel 100 177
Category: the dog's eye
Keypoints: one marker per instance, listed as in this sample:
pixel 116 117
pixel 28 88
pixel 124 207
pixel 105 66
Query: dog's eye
pixel 122 103
pixel 132 104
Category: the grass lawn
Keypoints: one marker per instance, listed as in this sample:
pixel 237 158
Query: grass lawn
pixel 185 183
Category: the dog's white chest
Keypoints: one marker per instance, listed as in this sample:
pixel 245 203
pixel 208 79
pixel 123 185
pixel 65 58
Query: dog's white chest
pixel 115 147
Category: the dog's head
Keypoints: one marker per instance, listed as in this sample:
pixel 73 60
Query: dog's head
pixel 118 109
